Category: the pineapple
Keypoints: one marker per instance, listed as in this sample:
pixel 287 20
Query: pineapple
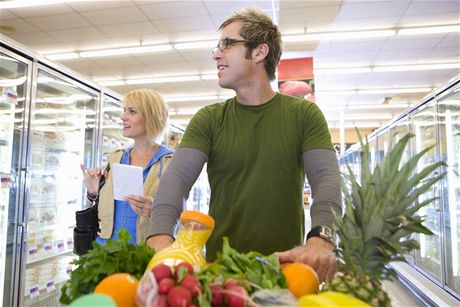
pixel 380 216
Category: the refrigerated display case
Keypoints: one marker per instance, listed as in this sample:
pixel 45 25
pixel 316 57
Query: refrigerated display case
pixel 14 86
pixel 48 127
pixel 435 121
pixel 449 129
pixel 62 134
pixel 51 121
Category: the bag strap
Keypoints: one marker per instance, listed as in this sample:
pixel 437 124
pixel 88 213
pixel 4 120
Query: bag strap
pixel 117 156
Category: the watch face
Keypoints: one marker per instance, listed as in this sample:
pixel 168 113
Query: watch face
pixel 327 231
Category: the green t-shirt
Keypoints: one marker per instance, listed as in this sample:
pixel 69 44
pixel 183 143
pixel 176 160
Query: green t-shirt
pixel 255 169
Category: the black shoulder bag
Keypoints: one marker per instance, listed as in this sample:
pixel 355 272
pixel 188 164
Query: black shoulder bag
pixel 87 224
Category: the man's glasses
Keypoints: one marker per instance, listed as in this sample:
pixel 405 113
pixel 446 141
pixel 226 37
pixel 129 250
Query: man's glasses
pixel 227 42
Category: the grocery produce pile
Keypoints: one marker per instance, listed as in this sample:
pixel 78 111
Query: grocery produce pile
pixel 117 270
pixel 117 256
pixel 380 215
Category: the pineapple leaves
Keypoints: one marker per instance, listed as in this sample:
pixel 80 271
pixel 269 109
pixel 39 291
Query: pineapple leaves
pixel 381 207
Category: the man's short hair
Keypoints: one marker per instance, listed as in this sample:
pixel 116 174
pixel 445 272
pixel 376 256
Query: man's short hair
pixel 258 28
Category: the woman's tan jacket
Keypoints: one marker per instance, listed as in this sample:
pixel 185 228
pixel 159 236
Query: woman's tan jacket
pixel 106 206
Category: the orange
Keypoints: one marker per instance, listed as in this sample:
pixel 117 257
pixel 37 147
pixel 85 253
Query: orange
pixel 121 287
pixel 301 279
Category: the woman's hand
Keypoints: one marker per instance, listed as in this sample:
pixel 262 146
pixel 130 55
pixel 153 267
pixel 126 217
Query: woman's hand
pixel 142 205
pixel 91 178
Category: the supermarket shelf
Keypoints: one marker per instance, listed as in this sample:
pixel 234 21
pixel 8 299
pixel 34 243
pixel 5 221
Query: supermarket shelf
pixel 50 256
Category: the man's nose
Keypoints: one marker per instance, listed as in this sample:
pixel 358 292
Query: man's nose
pixel 216 54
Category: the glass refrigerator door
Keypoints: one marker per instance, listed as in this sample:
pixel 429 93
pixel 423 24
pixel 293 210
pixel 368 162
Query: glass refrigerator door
pixel 62 135
pixel 13 88
pixel 383 145
pixel 424 126
pixel 400 129
pixel 112 137
pixel 449 119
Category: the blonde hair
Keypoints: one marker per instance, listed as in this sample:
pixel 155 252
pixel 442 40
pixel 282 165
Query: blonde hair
pixel 258 28
pixel 153 108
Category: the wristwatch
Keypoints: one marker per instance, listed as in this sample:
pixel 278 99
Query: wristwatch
pixel 324 232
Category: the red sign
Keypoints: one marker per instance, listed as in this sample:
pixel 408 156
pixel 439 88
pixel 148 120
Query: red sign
pixel 295 78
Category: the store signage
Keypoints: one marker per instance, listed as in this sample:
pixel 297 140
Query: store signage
pixel 295 78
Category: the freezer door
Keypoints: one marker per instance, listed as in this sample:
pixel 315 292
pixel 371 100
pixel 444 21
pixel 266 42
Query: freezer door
pixel 449 122
pixel 62 136
pixel 112 137
pixel 424 125
pixel 14 86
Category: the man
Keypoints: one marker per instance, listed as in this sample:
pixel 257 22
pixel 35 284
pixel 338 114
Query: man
pixel 258 147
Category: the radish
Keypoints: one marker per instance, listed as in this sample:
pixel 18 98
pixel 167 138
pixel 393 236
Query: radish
pixel 191 282
pixel 161 271
pixel 186 265
pixel 160 301
pixel 217 295
pixel 231 282
pixel 165 285
pixel 179 297
pixel 236 296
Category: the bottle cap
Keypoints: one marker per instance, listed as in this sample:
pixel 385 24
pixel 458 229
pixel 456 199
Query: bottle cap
pixel 198 217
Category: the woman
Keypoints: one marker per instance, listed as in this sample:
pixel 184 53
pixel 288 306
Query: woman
pixel 144 117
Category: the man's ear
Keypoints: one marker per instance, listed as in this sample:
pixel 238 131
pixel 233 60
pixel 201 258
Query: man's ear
pixel 260 52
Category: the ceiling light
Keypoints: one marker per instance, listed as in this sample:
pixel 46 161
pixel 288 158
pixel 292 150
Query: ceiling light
pixel 123 51
pixel 416 67
pixel 334 92
pixel 340 92
pixel 62 56
pixel 364 106
pixel 355 125
pixel 379 106
pixel 359 117
pixel 226 96
pixel 336 35
pixel 341 70
pixel 189 98
pixel 111 82
pixel 430 30
pixel 191 111
pixel 195 45
pixel 27 3
pixel 209 77
pixel 163 79
pixel 394 90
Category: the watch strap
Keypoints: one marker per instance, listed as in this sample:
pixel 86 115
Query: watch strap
pixel 323 232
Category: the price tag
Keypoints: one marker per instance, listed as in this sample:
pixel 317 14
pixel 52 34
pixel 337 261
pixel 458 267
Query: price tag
pixel 33 252
pixel 50 286
pixel 69 243
pixel 34 291
pixel 48 248
pixel 60 245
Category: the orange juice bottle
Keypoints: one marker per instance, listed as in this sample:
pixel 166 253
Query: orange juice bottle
pixel 194 230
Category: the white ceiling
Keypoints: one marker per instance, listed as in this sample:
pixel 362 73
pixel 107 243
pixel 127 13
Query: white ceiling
pixel 92 25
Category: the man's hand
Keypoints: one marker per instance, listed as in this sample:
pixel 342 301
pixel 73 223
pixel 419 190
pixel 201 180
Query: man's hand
pixel 159 242
pixel 317 253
